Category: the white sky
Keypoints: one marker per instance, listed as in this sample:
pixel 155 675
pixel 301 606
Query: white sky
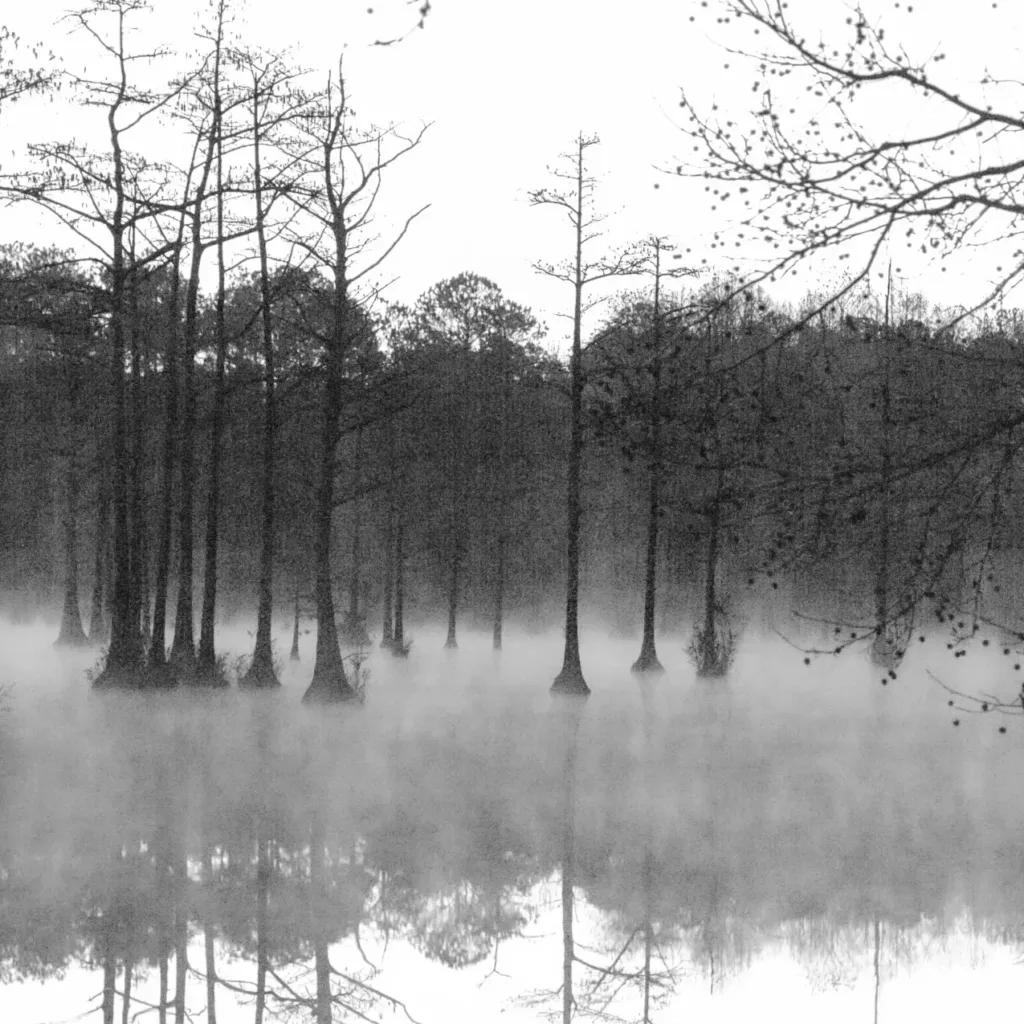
pixel 508 86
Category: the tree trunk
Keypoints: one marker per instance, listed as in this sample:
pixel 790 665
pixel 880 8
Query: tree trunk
pixel 71 632
pixel 501 520
pixel 261 673
pixel 455 518
pixel 499 591
pixel 885 643
pixel 398 646
pixel 183 647
pixel 710 647
pixel 451 641
pixel 354 628
pixel 570 679
pixel 207 671
pixel 183 654
pixel 648 659
pixel 145 602
pixel 329 680
pixel 99 627
pixel 294 656
pixel 137 612
pixel 388 626
pixel 387 637
pixel 123 654
pixel 158 642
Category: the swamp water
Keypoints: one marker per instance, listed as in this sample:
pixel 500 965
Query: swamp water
pixel 793 840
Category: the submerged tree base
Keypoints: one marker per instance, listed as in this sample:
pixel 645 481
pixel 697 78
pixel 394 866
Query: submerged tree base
pixel 261 676
pixel 570 681
pixel 71 641
pixel 331 687
pixel 647 662
pixel 120 677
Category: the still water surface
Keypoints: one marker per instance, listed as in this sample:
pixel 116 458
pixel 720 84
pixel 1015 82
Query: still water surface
pixel 796 840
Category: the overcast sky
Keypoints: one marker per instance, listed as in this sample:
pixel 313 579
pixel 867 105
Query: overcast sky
pixel 507 87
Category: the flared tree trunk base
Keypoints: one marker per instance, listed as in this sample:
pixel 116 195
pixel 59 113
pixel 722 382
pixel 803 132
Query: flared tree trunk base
pixel 451 644
pixel 647 662
pixel 570 681
pixel 70 640
pixel 330 687
pixel 120 678
pixel 261 676
pixel 72 634
pixel 400 648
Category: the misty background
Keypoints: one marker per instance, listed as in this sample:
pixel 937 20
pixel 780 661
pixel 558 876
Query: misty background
pixel 363 657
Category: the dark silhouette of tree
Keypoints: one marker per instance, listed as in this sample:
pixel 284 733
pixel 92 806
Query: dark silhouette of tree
pixel 344 167
pixel 577 201
pixel 267 76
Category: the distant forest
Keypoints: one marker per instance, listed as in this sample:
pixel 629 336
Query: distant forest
pixel 287 443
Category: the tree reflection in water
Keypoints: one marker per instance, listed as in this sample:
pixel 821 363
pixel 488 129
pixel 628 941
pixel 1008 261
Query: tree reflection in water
pixel 187 854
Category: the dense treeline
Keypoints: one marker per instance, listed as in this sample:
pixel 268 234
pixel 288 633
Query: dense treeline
pixel 185 440
pixel 876 457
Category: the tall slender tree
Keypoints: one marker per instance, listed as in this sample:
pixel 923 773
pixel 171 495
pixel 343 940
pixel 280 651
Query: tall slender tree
pixel 576 199
pixel 267 77
pixel 207 670
pixel 344 167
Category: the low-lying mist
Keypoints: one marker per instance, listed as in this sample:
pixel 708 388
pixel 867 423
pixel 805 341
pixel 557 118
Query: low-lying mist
pixel 783 792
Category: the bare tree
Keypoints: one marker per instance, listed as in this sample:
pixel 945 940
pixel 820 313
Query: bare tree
pixel 343 168
pixel 821 180
pixel 268 76
pixel 577 201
